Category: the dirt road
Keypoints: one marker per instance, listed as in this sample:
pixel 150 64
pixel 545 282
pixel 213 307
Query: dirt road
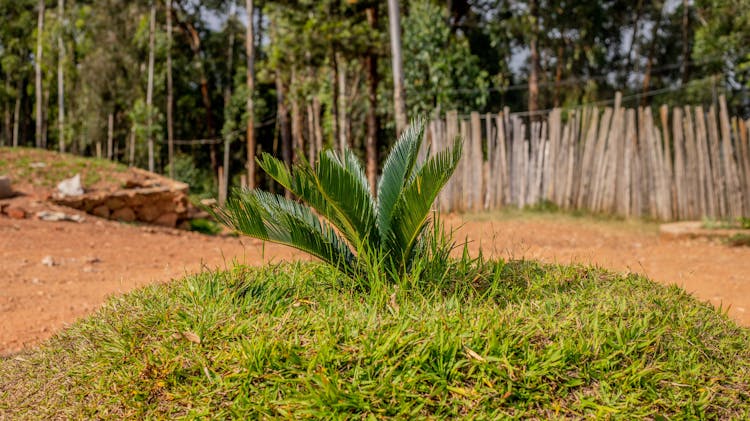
pixel 52 273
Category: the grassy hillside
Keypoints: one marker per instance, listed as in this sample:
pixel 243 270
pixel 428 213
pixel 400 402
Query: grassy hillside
pixel 514 339
pixel 23 166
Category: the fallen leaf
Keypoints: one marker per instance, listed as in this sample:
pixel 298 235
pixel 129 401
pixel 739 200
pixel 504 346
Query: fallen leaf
pixel 191 336
pixel 473 355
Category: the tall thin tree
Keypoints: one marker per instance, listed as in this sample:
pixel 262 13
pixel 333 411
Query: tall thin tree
pixel 150 87
pixel 685 41
pixel 250 49
pixel 534 57
pixel 227 103
pixel 399 97
pixel 170 93
pixel 61 76
pixel 371 142
pixel 38 75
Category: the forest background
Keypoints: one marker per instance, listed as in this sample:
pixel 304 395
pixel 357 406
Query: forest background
pixel 195 89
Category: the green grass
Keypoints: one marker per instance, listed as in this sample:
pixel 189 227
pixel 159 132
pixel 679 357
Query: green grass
pixel 17 163
pixel 499 339
pixel 739 240
pixel 205 226
pixel 738 223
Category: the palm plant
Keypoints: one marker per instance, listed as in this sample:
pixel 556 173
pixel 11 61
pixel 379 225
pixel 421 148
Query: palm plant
pixel 342 223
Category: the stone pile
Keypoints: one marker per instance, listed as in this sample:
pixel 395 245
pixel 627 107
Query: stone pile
pixel 147 197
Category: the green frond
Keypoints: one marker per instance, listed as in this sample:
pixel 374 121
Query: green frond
pixel 274 218
pixel 345 190
pixel 412 210
pixel 397 170
pixel 352 228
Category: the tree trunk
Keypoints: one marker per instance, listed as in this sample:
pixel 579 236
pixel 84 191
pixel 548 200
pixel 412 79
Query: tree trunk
pixel 318 126
pixel 310 134
pixel 399 98
pixel 170 93
pixel 341 99
pixel 150 87
pixel 195 45
pixel 282 112
pixel 297 123
pixel 110 135
pixel 334 97
pixel 685 41
pixel 650 60
pixel 534 59
pixel 45 117
pixel 38 75
pixel 227 103
pixel 629 57
pixel 7 121
pixel 131 158
pixel 17 113
pixel 250 49
pixel 558 73
pixel 61 78
pixel 371 142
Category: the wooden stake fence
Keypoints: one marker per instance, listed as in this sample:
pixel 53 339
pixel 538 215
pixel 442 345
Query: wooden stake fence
pixel 695 164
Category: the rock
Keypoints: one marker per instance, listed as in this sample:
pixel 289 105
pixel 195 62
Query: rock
pixel 166 206
pixel 37 165
pixel 167 220
pixel 101 211
pixel 148 213
pixel 92 259
pixel 59 216
pixel 15 212
pixel 114 203
pixel 123 215
pixel 71 186
pixel 48 261
pixel 208 202
pixel 5 189
pixel 90 204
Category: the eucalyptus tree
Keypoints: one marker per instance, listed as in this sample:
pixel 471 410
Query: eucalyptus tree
pixel 399 100
pixel 38 75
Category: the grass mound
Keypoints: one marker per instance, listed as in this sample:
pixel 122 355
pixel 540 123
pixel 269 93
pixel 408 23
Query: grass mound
pixel 518 339
pixel 42 168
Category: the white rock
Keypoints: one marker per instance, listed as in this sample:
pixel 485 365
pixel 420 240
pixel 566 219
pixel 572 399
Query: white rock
pixel 58 216
pixel 48 261
pixel 71 186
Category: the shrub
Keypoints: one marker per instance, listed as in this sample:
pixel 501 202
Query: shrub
pixel 342 223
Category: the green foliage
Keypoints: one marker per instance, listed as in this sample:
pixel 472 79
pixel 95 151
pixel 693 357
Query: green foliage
pixel 440 70
pixel 511 340
pixel 739 240
pixel 723 37
pixel 200 179
pixel 205 226
pixel 343 224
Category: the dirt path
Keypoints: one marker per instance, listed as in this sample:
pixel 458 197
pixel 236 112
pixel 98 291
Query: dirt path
pixel 98 258
pixel 709 270
pixel 93 260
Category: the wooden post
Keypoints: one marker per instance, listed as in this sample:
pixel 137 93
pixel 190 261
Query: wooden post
pixel 716 164
pixel 734 194
pixel 476 163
